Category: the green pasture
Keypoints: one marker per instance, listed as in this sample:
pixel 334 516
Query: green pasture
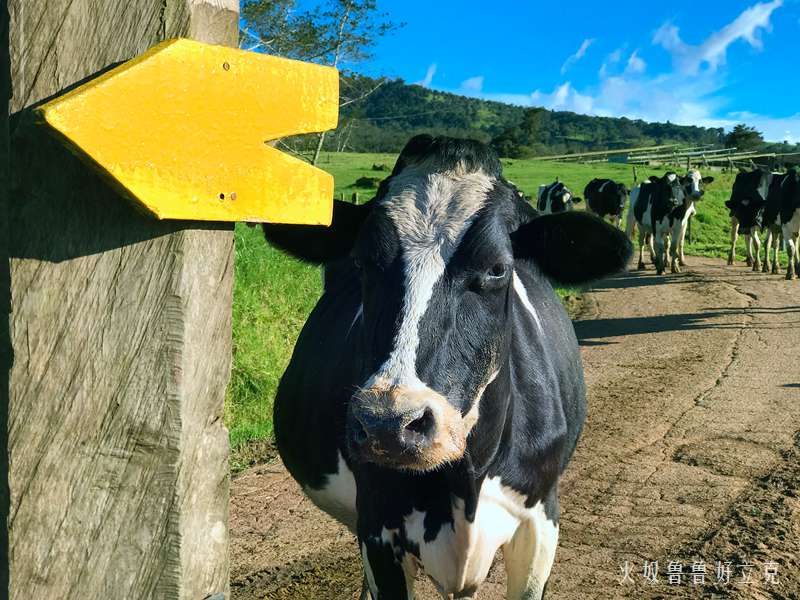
pixel 273 293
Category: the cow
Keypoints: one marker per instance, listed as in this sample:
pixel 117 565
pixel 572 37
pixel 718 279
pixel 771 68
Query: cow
pixel 436 394
pixel 662 207
pixel 606 199
pixel 555 198
pixel 781 219
pixel 694 189
pixel 746 206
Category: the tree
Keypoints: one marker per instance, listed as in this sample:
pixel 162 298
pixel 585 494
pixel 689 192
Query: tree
pixel 333 33
pixel 743 137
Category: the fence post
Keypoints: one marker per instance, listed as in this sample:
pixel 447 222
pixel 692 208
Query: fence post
pixel 120 334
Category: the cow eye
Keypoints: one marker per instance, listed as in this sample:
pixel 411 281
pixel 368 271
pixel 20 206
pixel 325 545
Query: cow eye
pixel 498 271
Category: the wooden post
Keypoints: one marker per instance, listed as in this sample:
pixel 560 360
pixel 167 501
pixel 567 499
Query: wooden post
pixel 354 198
pixel 121 338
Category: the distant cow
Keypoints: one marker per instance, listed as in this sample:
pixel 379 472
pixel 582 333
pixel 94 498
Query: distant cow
pixel 555 198
pixel 436 393
pixel 746 206
pixel 781 218
pixel 606 199
pixel 661 207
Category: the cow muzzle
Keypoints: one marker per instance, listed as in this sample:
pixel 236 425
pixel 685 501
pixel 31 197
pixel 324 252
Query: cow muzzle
pixel 401 428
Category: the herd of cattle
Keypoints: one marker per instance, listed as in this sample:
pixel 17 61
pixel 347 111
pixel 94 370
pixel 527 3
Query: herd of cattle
pixel 761 202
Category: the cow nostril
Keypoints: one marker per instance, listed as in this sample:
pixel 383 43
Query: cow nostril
pixel 423 425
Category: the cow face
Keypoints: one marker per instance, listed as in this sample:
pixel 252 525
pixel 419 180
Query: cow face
pixel 556 198
pixel 693 184
pixel 668 190
pixel 622 196
pixel 435 254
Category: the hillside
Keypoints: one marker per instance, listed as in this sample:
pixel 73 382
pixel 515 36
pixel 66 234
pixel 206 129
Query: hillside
pixel 385 120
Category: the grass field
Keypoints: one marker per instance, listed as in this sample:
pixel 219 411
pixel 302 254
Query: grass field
pixel 273 293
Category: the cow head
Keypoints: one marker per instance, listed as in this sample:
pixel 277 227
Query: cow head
pixel 560 197
pixel 749 197
pixel 622 192
pixel 668 190
pixel 693 184
pixel 435 252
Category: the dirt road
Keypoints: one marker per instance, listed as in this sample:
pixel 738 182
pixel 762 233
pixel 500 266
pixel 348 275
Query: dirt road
pixel 690 454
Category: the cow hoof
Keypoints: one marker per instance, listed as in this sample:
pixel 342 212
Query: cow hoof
pixel 641 266
pixel 749 262
pixel 765 268
pixel 790 276
pixel 756 267
pixel 675 269
pixel 681 263
pixel 730 261
pixel 775 269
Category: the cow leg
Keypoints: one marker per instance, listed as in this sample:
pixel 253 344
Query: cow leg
pixel 530 554
pixel 617 221
pixel 756 252
pixel 660 255
pixel 748 244
pixel 642 237
pixel 791 251
pixel 734 235
pixel 652 247
pixel 776 251
pixel 677 246
pixel 384 575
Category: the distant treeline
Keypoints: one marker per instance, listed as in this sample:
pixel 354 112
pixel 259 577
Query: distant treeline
pixel 388 114
pixel 384 121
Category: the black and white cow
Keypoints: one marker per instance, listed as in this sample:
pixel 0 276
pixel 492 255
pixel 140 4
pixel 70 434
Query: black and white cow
pixel 606 199
pixel 661 208
pixel 555 198
pixel 781 219
pixel 746 206
pixel 436 393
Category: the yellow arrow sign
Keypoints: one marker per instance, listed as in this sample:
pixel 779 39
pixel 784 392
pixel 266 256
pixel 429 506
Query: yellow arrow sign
pixel 183 129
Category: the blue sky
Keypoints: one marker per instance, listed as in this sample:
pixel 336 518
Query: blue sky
pixel 703 63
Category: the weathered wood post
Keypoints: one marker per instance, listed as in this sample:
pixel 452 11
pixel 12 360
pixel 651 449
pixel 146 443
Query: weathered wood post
pixel 121 337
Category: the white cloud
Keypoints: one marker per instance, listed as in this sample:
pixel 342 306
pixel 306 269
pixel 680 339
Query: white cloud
pixel 686 95
pixel 636 64
pixel 473 84
pixel 426 82
pixel 577 56
pixel 712 52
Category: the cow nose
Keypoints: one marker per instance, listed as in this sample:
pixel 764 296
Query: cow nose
pixel 698 194
pixel 389 433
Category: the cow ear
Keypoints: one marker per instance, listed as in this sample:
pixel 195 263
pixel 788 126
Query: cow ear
pixel 316 243
pixel 707 180
pixel 573 247
pixel 653 178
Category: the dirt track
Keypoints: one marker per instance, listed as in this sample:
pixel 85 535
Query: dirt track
pixel 691 452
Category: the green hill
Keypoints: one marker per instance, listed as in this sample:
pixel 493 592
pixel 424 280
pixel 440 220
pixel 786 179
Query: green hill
pixel 385 119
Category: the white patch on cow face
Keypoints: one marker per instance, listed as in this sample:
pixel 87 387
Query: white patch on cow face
pixel 431 212
pixel 671 177
pixel 694 175
pixel 338 496
pixel 522 293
